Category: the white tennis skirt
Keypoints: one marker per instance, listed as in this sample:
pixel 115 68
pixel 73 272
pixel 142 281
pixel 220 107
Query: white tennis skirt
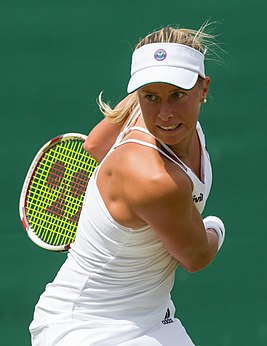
pixel 81 333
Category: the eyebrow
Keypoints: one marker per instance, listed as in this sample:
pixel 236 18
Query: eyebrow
pixel 149 91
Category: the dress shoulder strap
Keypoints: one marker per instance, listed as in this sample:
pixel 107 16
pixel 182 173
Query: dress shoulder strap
pixel 132 119
pixel 174 158
pixel 201 134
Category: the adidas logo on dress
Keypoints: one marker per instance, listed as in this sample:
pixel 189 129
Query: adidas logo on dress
pixel 167 318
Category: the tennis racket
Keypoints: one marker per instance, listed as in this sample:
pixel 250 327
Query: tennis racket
pixel 53 191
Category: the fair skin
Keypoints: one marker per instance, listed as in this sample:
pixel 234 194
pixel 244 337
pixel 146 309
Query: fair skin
pixel 171 113
pixel 140 187
pixel 103 136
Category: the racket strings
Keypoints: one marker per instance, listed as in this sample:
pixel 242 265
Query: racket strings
pixel 57 191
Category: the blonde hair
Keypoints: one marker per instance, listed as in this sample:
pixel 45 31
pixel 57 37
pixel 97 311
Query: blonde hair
pixel 121 112
pixel 200 40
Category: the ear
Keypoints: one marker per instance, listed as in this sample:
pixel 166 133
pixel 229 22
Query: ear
pixel 205 88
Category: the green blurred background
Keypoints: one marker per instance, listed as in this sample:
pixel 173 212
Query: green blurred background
pixel 56 56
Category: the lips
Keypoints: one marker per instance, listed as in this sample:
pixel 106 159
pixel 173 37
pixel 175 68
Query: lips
pixel 169 128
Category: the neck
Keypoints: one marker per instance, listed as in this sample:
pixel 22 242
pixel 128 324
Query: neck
pixel 187 148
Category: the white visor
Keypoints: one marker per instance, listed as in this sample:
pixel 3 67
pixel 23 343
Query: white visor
pixel 170 63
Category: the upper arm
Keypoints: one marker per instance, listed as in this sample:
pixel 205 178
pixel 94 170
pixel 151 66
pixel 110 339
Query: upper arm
pixel 166 205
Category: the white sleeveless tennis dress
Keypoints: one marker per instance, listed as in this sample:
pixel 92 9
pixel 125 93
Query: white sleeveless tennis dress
pixel 114 288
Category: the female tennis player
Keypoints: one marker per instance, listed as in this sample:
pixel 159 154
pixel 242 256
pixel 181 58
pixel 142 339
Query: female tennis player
pixel 142 212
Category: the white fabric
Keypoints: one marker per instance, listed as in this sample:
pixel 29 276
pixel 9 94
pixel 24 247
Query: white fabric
pixel 116 282
pixel 85 334
pixel 201 187
pixel 218 226
pixel 170 63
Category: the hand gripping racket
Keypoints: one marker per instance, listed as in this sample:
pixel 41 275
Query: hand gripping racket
pixel 53 191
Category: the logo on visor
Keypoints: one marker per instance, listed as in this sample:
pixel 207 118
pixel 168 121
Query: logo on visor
pixel 160 54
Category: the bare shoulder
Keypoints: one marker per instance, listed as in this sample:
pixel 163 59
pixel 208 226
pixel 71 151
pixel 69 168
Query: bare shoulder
pixel 140 187
pixel 150 179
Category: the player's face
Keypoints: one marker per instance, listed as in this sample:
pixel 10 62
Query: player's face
pixel 171 113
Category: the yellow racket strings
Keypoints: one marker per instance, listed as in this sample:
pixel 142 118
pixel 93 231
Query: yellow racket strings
pixel 56 192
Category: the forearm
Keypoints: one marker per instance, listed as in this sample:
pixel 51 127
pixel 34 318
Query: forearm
pixel 203 254
pixel 215 233
pixel 104 134
pixel 211 232
pixel 101 139
pixel 213 245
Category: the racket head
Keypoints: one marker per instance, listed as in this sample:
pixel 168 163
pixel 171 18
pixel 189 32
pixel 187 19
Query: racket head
pixel 53 191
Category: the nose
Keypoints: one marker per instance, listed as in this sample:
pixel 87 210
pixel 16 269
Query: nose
pixel 165 112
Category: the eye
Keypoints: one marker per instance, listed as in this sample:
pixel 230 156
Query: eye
pixel 177 95
pixel 151 97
